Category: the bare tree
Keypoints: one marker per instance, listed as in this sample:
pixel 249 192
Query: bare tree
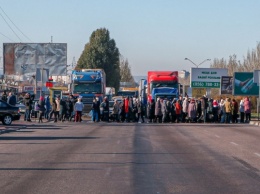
pixel 250 63
pixel 125 71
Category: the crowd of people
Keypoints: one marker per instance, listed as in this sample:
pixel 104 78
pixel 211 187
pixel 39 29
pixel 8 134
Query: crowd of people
pixel 131 109
pixel 183 110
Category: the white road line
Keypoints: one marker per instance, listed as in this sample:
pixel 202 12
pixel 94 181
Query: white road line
pixel 108 172
pixel 257 154
pixel 217 136
pixel 234 143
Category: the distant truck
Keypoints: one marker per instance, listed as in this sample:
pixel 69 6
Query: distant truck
pixel 162 84
pixel 128 91
pixel 88 84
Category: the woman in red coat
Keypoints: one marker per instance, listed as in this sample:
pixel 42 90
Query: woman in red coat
pixel 178 110
pixel 126 106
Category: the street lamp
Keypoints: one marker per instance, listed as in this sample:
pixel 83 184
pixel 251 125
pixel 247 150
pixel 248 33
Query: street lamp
pixel 195 63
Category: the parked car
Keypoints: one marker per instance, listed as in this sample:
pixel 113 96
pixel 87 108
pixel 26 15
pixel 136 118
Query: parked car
pixel 21 106
pixel 8 113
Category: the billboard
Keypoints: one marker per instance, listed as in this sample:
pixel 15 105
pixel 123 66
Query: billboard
pixel 226 85
pixel 24 59
pixel 207 77
pixel 244 85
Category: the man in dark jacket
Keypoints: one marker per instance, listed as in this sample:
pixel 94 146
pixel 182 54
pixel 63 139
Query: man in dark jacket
pixel 27 101
pixel 151 110
pixel 69 108
pixel 11 99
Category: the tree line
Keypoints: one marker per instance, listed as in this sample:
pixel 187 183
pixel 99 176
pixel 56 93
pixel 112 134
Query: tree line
pixel 250 63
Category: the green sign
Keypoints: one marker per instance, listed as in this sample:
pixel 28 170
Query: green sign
pixel 244 84
pixel 197 84
pixel 207 77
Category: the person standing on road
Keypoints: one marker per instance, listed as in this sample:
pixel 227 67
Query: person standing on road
pixel 178 110
pixel 150 111
pixel 47 107
pixel 94 110
pixel 228 109
pixel 53 111
pixel 158 110
pixel 242 111
pixel 185 105
pixel 247 106
pixel 115 112
pixel 98 110
pixel 140 110
pixel 126 108
pixel 27 101
pixel 234 111
pixel 41 108
pixel 63 110
pixel 222 111
pixel 58 107
pixel 192 111
pixel 78 110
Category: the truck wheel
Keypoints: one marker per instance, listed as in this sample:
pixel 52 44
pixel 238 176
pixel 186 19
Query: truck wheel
pixel 7 120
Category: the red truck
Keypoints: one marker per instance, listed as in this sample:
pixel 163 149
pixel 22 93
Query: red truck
pixel 165 83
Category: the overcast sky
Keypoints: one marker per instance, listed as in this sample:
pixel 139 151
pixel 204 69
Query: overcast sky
pixel 151 34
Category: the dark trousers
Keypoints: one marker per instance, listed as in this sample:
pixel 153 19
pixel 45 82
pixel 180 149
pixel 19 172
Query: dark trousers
pixel 78 116
pixel 242 117
pixel 140 115
pixel 248 117
pixel 227 119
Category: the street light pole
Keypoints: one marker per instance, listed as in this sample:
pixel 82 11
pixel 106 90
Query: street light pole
pixel 195 63
pixel 42 79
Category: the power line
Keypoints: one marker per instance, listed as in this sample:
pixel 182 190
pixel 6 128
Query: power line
pixel 10 27
pixel 7 37
pixel 15 25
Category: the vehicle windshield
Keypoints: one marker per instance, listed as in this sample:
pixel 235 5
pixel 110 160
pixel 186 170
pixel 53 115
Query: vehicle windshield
pixel 163 84
pixel 127 93
pixel 87 88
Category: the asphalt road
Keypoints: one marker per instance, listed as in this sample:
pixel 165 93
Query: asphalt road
pixel 71 158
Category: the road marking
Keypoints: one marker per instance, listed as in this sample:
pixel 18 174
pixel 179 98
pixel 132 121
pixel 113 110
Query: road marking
pixel 257 154
pixel 234 143
pixel 108 171
pixel 217 136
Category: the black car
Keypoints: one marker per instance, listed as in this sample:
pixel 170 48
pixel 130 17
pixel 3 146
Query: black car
pixel 8 113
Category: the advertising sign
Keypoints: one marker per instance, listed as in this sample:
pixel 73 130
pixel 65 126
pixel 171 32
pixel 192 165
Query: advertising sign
pixel 207 77
pixel 226 85
pixel 244 84
pixel 24 58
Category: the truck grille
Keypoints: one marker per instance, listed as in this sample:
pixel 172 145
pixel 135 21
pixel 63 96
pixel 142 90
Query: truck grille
pixel 87 100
